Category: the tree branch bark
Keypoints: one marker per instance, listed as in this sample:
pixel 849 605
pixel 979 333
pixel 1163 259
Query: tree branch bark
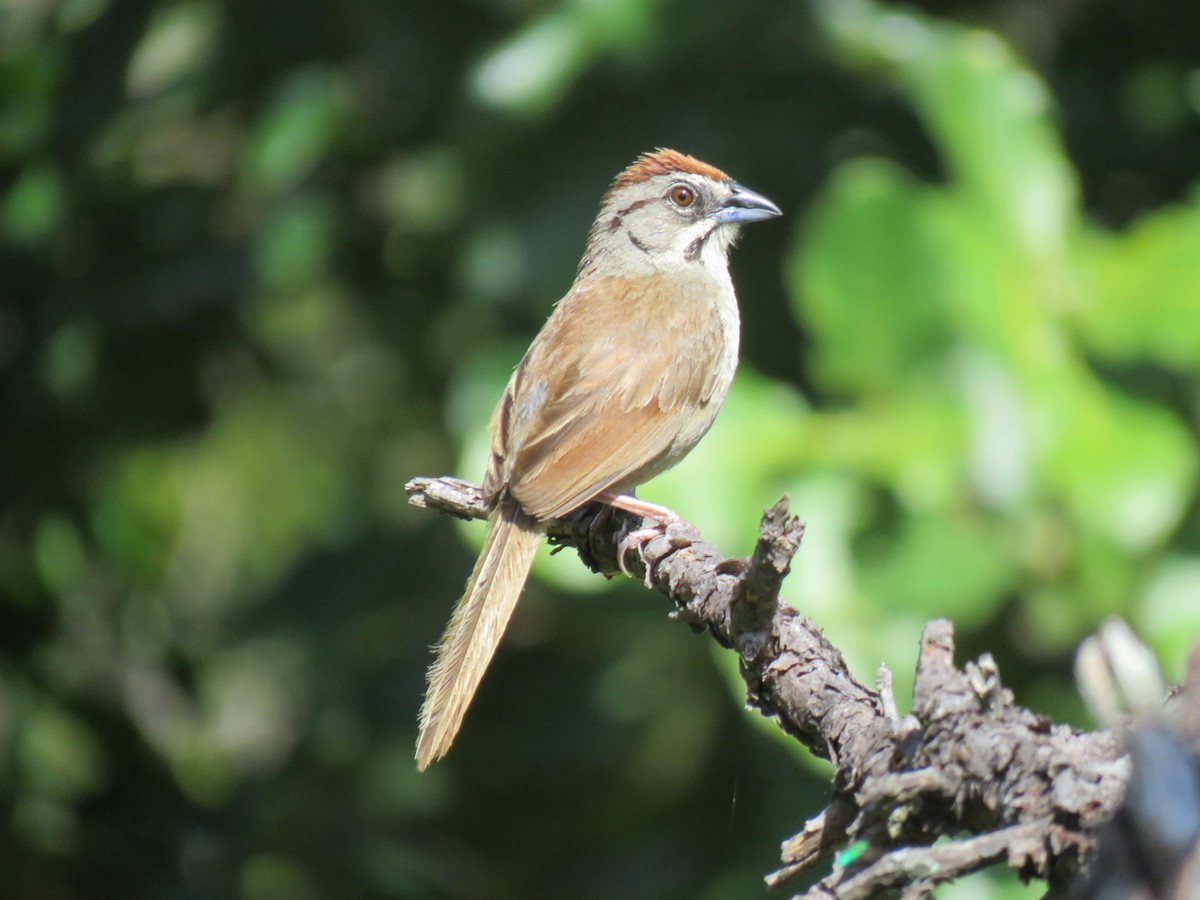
pixel 968 761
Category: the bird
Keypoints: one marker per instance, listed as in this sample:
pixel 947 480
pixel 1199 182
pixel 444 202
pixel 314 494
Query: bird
pixel 622 381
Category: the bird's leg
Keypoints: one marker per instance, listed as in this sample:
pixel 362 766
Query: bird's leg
pixel 659 515
pixel 644 508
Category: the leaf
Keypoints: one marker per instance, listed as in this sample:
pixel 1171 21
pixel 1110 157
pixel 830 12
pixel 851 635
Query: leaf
pixel 1124 468
pixel 989 115
pixel 1145 298
pixel 912 574
pixel 869 280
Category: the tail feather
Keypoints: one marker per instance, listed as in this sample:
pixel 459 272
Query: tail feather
pixel 476 627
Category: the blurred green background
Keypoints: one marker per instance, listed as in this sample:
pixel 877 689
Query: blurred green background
pixel 261 263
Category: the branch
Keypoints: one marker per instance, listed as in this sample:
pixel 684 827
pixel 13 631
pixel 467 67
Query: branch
pixel 969 761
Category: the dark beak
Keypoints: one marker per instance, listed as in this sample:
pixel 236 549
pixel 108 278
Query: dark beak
pixel 743 205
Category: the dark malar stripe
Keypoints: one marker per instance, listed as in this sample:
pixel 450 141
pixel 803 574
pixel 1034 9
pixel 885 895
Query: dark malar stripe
pixel 633 240
pixel 692 253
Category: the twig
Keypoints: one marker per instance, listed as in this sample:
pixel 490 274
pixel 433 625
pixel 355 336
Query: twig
pixel 926 867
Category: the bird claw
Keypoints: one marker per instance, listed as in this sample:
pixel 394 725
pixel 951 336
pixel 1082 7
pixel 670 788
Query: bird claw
pixel 663 521
pixel 636 540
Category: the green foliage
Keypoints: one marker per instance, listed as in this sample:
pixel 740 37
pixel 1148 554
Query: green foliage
pixel 258 269
pixel 981 307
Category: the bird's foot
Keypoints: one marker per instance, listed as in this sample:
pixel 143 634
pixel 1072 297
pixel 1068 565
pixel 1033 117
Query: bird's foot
pixel 660 517
pixel 636 541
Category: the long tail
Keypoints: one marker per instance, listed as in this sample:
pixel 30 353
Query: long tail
pixel 476 627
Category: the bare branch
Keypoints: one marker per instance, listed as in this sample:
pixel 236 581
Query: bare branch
pixel 969 761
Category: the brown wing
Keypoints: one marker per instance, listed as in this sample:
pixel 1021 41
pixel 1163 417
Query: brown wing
pixel 611 386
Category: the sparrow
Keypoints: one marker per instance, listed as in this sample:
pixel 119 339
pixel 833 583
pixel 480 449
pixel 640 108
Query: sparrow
pixel 619 385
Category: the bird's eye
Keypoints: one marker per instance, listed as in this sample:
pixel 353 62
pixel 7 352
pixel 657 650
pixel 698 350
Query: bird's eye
pixel 682 196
